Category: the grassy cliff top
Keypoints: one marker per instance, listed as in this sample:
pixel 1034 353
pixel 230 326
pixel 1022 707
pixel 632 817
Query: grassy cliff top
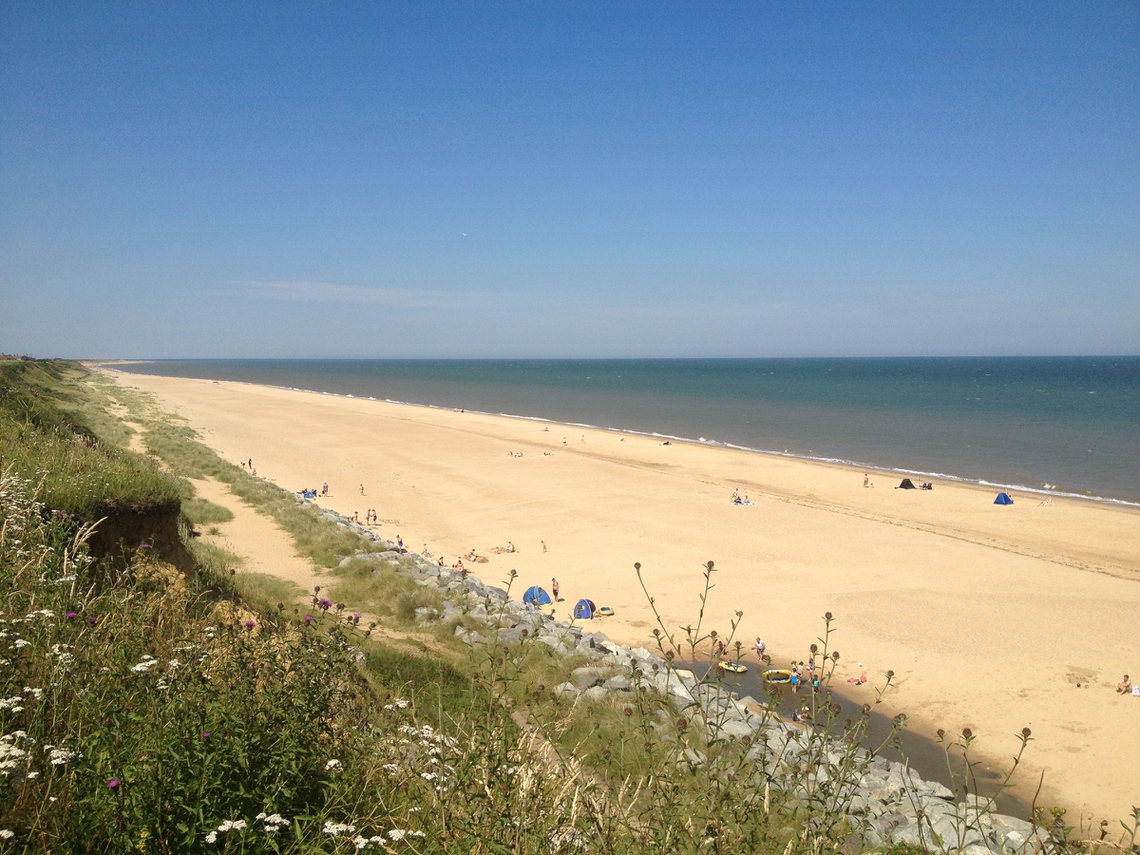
pixel 45 439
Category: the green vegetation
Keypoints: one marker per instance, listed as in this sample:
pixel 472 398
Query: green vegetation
pixel 74 471
pixel 199 713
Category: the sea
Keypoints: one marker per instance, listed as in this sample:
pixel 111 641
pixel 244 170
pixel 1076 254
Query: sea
pixel 1052 425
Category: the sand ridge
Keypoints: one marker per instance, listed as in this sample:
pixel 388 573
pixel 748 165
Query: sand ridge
pixel 985 613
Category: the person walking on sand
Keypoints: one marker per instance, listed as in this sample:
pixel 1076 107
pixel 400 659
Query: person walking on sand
pixel 554 589
pixel 362 489
pixel 866 480
pixel 325 489
pixel 760 647
pixel 543 542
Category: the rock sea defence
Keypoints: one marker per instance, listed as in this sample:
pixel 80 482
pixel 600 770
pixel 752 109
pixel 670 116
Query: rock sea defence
pixel 887 802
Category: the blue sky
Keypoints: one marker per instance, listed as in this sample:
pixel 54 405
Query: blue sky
pixel 569 179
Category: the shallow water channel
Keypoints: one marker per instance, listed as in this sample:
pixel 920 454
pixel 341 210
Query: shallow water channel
pixel 925 756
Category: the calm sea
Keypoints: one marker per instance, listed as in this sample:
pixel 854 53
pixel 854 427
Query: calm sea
pixel 1023 423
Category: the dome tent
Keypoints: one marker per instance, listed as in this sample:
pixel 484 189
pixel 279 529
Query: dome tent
pixel 906 484
pixel 584 610
pixel 1003 499
pixel 536 596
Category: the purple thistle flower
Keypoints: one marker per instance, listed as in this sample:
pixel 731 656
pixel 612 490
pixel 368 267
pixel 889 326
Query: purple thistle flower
pixel 114 783
pixel 71 615
pixel 205 735
pixel 250 624
pixel 308 618
pixel 92 620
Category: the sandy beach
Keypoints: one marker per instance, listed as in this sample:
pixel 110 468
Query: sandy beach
pixel 989 616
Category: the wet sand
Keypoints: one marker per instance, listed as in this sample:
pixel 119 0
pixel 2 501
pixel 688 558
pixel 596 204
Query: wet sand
pixel 989 616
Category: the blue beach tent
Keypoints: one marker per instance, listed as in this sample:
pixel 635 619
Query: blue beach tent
pixel 1003 499
pixel 584 610
pixel 536 596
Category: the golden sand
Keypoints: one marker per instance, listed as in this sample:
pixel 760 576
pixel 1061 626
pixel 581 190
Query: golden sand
pixel 989 616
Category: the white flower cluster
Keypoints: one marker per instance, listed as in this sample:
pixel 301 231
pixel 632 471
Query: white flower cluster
pixel 13 704
pixel 62 657
pixel 338 827
pixel 12 756
pixel 334 765
pixel 225 828
pixel 145 664
pixel 394 834
pixel 60 756
pixel 273 822
pixel 398 704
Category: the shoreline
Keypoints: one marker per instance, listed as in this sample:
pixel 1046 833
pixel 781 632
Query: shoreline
pixel 902 472
pixel 816 543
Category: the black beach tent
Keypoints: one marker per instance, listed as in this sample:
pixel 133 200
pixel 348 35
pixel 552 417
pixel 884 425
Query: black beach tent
pixel 1003 499
pixel 906 484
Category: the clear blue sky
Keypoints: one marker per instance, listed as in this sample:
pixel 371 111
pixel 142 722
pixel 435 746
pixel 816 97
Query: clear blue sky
pixel 569 179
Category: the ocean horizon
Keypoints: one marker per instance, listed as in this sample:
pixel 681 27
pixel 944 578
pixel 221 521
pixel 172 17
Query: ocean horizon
pixel 1051 425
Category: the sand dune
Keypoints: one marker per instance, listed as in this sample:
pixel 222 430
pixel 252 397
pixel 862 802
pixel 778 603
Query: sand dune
pixel 989 616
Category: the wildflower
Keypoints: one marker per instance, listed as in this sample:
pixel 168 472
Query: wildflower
pixel 250 624
pixel 92 620
pixel 60 756
pixel 114 784
pixel 273 822
pixel 211 836
pixel 205 735
pixel 71 615
pixel 7 834
pixel 334 766
pixel 308 618
pixel 338 827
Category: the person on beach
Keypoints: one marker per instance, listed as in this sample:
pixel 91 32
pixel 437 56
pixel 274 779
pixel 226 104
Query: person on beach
pixel 760 647
pixel 510 546
pixel 400 543
pixel 325 488
pixel 362 489
pixel 543 542
pixel 866 480
pixel 553 586
pixel 1124 687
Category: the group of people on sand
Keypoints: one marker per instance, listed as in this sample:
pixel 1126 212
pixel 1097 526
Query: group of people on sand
pixel 737 500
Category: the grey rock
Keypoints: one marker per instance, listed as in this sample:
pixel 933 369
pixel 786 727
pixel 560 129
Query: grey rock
pixel 510 635
pixel 619 684
pixel 596 693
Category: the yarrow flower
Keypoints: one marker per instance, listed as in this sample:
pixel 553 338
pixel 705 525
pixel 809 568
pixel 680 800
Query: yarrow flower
pixel 334 765
pixel 338 827
pixel 273 822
